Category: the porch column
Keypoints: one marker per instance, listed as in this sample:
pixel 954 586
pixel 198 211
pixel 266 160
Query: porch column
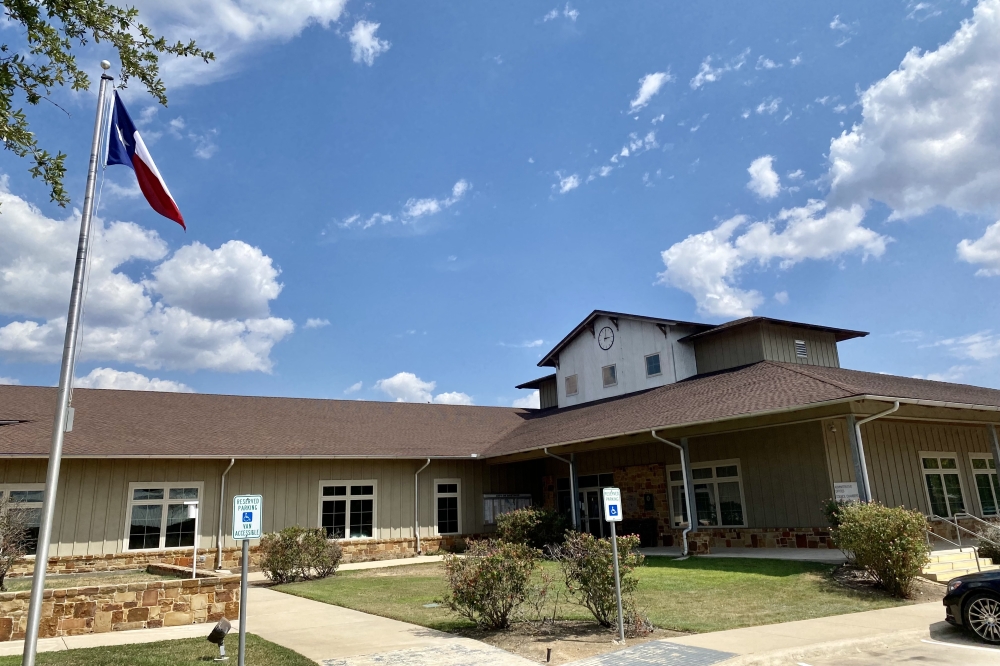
pixel 994 445
pixel 858 455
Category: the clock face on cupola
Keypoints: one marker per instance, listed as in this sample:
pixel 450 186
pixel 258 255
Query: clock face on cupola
pixel 606 338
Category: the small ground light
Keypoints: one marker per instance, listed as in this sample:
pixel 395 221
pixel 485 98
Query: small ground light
pixel 218 636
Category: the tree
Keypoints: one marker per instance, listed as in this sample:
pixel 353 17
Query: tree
pixel 45 61
pixel 13 536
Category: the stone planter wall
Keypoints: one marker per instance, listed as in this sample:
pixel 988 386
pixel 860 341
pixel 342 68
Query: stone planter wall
pixel 762 537
pixel 91 610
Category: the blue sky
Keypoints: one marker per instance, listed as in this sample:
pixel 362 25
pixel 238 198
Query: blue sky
pixel 446 189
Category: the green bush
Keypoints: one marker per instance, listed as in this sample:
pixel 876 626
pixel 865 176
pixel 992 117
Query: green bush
pixel 588 565
pixel 532 526
pixel 887 542
pixel 987 549
pixel 298 553
pixel 490 581
pixel 832 509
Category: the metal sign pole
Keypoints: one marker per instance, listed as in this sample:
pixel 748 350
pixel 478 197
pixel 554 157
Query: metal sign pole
pixel 618 584
pixel 243 602
pixel 247 524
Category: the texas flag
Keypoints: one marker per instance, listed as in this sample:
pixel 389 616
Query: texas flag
pixel 125 146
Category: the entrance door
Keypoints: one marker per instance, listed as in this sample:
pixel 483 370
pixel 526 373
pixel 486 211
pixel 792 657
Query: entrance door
pixel 592 518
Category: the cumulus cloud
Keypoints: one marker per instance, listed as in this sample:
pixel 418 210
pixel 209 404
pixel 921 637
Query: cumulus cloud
pixel 567 183
pixel 764 180
pixel 108 378
pixel 193 313
pixel 531 401
pixel 709 74
pixel 707 265
pixel 979 346
pixel 985 251
pixel 769 106
pixel 567 12
pixel 407 387
pixel 312 322
pixel 767 63
pixel 9 381
pixel 649 85
pixel 365 46
pixel 412 210
pixel 354 388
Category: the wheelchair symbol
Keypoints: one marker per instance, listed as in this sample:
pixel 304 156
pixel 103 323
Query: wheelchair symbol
pixel 612 509
pixel 248 516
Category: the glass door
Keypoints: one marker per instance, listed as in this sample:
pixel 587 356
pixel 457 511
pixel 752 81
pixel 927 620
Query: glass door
pixel 592 518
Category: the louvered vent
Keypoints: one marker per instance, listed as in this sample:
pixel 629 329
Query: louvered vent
pixel 571 387
pixel 800 349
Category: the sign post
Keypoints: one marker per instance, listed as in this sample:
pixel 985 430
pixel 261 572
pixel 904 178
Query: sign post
pixel 246 526
pixel 613 514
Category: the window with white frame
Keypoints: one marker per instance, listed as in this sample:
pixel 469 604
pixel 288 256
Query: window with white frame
pixel 162 515
pixel 653 365
pixel 943 484
pixel 984 472
pixel 718 494
pixel 27 497
pixel 347 509
pixel 447 503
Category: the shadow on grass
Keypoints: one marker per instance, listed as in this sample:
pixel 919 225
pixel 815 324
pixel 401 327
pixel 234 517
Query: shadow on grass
pixel 760 567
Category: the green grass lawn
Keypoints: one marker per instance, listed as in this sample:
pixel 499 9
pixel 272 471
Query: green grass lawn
pixel 169 653
pixel 696 595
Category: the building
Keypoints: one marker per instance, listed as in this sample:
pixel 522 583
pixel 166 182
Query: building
pixel 754 420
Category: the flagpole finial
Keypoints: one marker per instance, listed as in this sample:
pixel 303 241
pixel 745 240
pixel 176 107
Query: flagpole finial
pixel 105 65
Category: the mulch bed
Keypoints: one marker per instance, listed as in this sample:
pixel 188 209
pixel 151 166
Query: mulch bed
pixel 856 578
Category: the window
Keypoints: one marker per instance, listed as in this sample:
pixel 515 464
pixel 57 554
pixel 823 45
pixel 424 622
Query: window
pixel 162 515
pixel 28 497
pixel 571 385
pixel 652 365
pixel 800 349
pixel 446 504
pixel 718 495
pixel 610 375
pixel 497 504
pixel 984 471
pixel 944 488
pixel 347 509
pixel 595 481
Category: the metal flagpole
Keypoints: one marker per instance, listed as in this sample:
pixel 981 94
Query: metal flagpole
pixel 65 384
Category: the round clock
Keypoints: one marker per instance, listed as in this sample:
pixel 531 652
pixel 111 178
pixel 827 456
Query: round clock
pixel 606 338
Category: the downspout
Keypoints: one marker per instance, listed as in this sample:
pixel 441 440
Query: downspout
pixel 222 502
pixel 573 499
pixel 684 478
pixel 416 503
pixel 994 445
pixel 861 446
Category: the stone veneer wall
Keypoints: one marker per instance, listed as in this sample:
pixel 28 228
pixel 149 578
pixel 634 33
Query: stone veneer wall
pixel 92 610
pixel 638 481
pixel 759 537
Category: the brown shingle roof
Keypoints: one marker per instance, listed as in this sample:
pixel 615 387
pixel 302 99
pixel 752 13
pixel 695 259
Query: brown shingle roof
pixel 130 423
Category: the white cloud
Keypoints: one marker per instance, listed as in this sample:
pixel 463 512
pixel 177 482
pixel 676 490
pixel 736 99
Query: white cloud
pixel 570 13
pixel 353 388
pixel 407 387
pixel 708 74
pixel 781 297
pixel 649 85
pixel 567 12
pixel 312 322
pixel 984 251
pixel 921 11
pixel 980 346
pixel 707 265
pixel 202 309
pixel 840 108
pixel 413 209
pixel 837 24
pixel 532 401
pixel 953 374
pixel 567 183
pixel 795 175
pixel 365 46
pixel 9 381
pixel 552 14
pixel 769 106
pixel 764 180
pixel 796 61
pixel 767 63
pixel 108 378
pixel 527 344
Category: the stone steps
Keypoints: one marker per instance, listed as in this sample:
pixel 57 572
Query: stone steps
pixel 947 564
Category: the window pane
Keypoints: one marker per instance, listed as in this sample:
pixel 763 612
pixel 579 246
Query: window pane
pixel 361 518
pixel 730 505
pixel 589 481
pixel 362 490
pixel 948 463
pixel 180 528
pixel 26 495
pixel 447 515
pixel 144 530
pixel 986 498
pixel 334 518
pixel 935 488
pixel 728 470
pixel 703 473
pixel 676 475
pixel 147 494
pixel 954 491
pixel 704 504
pixel 677 506
pixel 609 375
pixel 447 487
pixel 993 463
pixel 606 480
pixel 930 463
pixel 330 491
pixel 184 493
pixel 653 365
pixel 979 463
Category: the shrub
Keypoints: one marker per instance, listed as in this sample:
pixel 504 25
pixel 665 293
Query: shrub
pixel 887 542
pixel 532 526
pixel 588 566
pixel 298 553
pixel 13 536
pixel 490 581
pixel 987 549
pixel 832 509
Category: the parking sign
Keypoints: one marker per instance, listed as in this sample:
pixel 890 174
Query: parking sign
pixel 247 517
pixel 612 505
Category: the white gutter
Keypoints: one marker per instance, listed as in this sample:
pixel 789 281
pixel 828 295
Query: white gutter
pixel 861 446
pixel 416 503
pixel 222 505
pixel 573 495
pixel 687 498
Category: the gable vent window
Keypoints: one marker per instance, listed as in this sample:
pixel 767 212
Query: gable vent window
pixel 571 385
pixel 610 375
pixel 800 349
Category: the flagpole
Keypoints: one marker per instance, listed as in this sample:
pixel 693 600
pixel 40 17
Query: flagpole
pixel 65 384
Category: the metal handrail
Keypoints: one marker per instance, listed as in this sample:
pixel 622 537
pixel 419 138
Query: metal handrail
pixel 962 514
pixel 928 534
pixel 965 529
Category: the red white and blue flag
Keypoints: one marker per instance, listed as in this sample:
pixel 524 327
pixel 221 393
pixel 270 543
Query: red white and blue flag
pixel 125 146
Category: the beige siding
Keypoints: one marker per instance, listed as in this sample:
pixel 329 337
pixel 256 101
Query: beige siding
pixel 729 349
pixel 93 494
pixel 779 345
pixel 548 395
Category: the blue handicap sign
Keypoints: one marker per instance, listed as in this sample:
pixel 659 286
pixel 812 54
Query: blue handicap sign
pixel 247 516
pixel 613 509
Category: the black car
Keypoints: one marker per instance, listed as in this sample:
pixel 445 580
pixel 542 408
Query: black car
pixel 973 602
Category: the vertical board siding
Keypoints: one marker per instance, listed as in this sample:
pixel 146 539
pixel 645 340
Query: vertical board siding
pixel 779 345
pixel 740 346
